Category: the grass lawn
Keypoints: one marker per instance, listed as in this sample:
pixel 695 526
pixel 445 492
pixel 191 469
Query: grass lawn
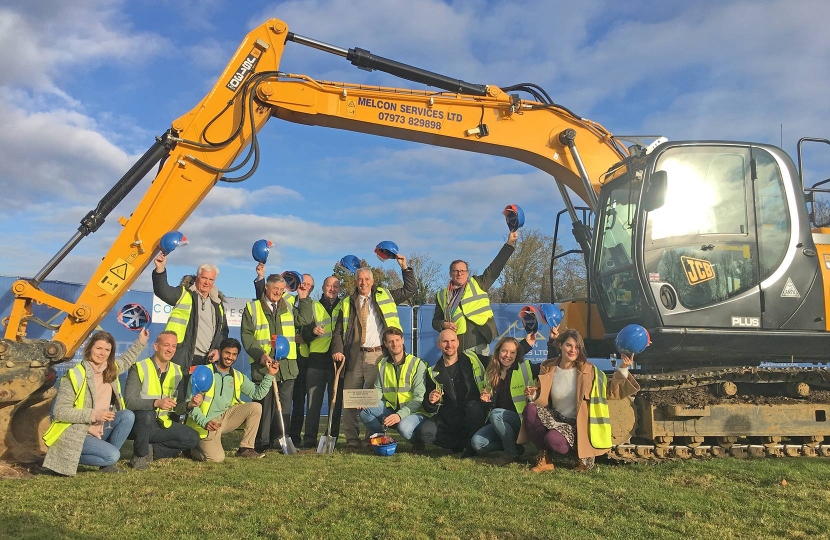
pixel 433 496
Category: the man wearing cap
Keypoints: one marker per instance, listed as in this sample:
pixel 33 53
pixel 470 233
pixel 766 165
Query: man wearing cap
pixel 155 386
pixel 400 383
pixel 198 316
pixel 220 409
pixel 464 305
pixel 364 316
pixel 271 315
pixel 320 376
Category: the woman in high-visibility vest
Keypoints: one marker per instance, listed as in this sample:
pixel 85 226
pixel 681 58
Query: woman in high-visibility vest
pixel 570 408
pixel 90 422
pixel 506 378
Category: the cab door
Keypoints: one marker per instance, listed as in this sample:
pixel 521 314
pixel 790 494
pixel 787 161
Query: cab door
pixel 700 248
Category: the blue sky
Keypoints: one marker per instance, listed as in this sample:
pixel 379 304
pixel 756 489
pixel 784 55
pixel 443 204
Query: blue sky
pixel 86 85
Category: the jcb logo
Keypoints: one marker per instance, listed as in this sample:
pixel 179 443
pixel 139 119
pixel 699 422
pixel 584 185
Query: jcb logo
pixel 697 270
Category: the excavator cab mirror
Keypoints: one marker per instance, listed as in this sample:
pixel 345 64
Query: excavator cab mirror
pixel 655 192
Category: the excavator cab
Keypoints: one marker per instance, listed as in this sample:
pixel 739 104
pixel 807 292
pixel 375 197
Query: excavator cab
pixel 708 245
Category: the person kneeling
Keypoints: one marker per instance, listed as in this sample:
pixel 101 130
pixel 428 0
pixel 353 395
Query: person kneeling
pixel 570 410
pixel 152 387
pixel 401 383
pixel 215 413
pixel 90 421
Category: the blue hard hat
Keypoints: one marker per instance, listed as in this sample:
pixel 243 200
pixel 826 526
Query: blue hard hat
pixel 514 216
pixel 551 314
pixel 632 339
pixel 260 250
pixel 134 317
pixel 529 321
pixel 386 250
pixel 281 348
pixel 201 380
pixel 351 263
pixel 293 279
pixel 171 240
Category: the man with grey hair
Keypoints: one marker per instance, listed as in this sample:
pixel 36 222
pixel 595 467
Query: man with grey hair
pixel 272 314
pixel 364 317
pixel 198 316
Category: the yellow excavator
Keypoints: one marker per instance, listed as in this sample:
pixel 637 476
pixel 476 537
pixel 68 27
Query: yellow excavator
pixel 707 244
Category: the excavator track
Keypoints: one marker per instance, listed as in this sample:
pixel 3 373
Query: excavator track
pixel 731 412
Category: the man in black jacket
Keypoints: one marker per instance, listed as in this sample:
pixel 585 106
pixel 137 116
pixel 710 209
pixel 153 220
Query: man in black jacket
pixel 453 394
pixel 364 316
pixel 198 316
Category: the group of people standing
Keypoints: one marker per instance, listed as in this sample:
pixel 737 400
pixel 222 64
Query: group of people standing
pixel 468 401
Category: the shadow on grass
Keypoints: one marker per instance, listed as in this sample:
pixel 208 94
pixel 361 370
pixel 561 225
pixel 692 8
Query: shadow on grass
pixel 23 525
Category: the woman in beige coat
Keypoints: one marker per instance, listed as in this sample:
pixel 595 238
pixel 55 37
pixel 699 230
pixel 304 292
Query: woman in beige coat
pixel 558 420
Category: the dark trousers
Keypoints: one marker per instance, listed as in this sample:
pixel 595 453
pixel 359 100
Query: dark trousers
pixel 167 442
pixel 269 433
pixel 299 400
pixel 453 433
pixel 320 383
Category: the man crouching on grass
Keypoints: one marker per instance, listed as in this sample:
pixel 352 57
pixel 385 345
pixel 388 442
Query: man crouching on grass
pixel 216 413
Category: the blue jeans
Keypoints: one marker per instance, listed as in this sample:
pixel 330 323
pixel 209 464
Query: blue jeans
pixel 373 419
pixel 107 450
pixel 500 434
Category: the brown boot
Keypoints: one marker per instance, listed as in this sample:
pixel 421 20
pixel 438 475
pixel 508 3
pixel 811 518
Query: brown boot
pixel 543 462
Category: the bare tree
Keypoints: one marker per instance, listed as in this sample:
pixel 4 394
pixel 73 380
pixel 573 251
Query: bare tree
pixel 526 276
pixel 428 274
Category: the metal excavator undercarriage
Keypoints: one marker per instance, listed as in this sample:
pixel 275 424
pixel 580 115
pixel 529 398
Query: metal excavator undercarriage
pixel 739 412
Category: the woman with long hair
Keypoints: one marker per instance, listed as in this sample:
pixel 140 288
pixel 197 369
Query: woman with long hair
pixel 90 422
pixel 569 409
pixel 506 379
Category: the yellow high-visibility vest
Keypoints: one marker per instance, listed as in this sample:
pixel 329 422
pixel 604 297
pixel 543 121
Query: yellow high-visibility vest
pixel 599 419
pixel 77 378
pixel 322 318
pixel 397 390
pixel 387 305
pixel 180 315
pixel 207 398
pixel 262 332
pixel 153 388
pixel 474 306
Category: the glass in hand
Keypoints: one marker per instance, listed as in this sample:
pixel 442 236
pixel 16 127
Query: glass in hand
pixel 108 423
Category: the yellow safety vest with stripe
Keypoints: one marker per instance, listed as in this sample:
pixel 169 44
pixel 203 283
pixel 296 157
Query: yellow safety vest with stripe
pixel 599 419
pixel 77 378
pixel 321 343
pixel 478 372
pixel 387 305
pixel 153 388
pixel 521 377
pixel 262 332
pixel 207 399
pixel 474 306
pixel 397 390
pixel 180 315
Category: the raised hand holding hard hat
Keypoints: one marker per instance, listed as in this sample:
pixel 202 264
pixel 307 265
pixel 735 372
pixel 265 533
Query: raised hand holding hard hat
pixel 386 250
pixel 171 240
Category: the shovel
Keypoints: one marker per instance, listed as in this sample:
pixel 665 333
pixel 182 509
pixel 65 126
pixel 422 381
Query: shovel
pixel 326 445
pixel 285 442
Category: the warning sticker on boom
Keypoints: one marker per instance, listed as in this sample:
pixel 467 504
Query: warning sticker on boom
pixel 113 280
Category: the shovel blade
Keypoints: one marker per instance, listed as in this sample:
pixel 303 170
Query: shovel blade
pixel 287 446
pixel 322 446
